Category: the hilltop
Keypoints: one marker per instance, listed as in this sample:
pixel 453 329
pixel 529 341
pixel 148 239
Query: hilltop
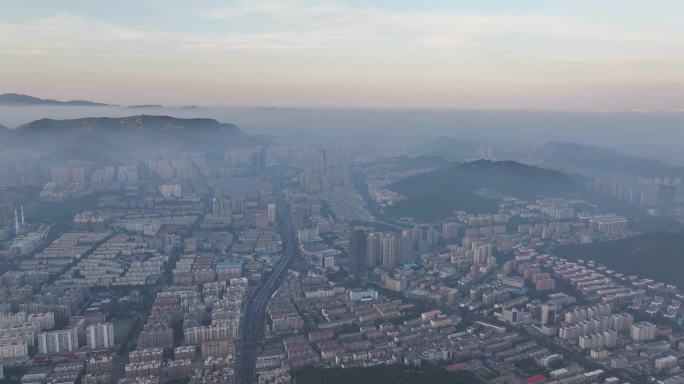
pixel 112 136
pixel 140 124
pixel 435 195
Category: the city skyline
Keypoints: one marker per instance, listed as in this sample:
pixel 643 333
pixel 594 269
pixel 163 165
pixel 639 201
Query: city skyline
pixel 341 192
pixel 587 55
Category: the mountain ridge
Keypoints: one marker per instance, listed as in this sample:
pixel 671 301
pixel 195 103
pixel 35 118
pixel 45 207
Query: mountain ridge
pixel 21 99
pixel 436 194
pixel 136 122
pixel 111 135
pixel 605 160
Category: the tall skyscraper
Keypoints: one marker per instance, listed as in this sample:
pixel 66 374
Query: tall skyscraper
pixel 432 236
pixel 407 252
pixel 358 254
pixel 271 213
pixel 258 158
pixel 16 223
pixel 548 314
pixel 390 250
pixel 374 249
pixel 449 230
pixel 426 238
pixel 322 159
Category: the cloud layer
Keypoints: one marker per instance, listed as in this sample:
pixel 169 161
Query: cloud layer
pixel 434 54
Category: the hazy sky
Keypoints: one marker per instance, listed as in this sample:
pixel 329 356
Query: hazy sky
pixel 537 54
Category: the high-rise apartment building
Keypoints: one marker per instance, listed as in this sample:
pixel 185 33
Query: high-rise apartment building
pixel 390 250
pixel 407 247
pixel 548 314
pixel 643 331
pixel 100 335
pixel 449 230
pixel 271 213
pixel 65 340
pixel 358 254
pixel 374 249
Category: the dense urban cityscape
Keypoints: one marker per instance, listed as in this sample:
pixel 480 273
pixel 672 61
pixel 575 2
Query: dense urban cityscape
pixel 341 192
pixel 276 262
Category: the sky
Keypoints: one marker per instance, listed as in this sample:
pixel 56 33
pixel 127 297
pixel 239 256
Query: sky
pixel 465 54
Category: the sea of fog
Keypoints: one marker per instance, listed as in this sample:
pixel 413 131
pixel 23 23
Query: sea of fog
pixel 648 134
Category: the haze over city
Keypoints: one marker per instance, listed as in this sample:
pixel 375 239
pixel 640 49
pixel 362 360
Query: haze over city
pixel 347 192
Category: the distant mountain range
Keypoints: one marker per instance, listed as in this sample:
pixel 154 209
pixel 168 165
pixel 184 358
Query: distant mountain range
pixel 19 99
pixel 145 106
pixel 592 160
pixel 140 124
pixel 159 106
pixel 16 99
pixel 115 136
pixel 568 157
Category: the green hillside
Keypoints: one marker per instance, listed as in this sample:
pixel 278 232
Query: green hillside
pixel 658 256
pixel 435 195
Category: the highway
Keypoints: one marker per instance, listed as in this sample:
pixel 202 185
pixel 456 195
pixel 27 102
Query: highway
pixel 252 329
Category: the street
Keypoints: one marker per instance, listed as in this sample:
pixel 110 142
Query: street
pixel 255 308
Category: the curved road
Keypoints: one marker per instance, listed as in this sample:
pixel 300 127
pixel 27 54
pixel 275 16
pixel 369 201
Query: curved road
pixel 255 308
